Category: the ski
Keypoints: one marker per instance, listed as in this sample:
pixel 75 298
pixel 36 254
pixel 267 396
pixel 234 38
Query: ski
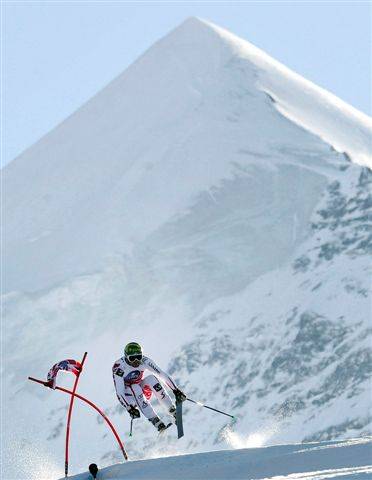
pixel 179 418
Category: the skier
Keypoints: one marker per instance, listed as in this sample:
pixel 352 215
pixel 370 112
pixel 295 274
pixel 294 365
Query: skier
pixel 134 390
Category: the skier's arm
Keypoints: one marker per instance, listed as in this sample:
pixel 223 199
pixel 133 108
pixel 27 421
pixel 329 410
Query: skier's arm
pixel 167 379
pixel 117 374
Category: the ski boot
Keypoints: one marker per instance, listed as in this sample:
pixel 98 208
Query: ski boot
pixel 158 424
pixel 163 427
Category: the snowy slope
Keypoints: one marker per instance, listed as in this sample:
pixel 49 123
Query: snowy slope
pixel 318 461
pixel 200 204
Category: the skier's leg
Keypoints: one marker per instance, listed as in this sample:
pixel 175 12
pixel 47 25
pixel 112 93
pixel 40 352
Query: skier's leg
pixel 145 406
pixel 126 398
pixel 160 392
pixel 140 401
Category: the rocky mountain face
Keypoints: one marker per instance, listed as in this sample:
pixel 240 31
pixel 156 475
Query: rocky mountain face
pixel 197 205
pixel 299 359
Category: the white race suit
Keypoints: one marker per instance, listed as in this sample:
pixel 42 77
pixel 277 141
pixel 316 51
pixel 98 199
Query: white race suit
pixel 133 388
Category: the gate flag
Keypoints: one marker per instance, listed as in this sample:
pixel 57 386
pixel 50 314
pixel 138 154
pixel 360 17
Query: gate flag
pixel 69 365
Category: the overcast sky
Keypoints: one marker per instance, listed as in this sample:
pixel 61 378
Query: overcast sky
pixel 58 54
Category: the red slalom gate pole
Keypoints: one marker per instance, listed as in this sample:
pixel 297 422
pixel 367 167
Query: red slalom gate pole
pixel 83 399
pixel 70 413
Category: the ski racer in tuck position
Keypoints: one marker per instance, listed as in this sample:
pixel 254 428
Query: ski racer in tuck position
pixel 134 390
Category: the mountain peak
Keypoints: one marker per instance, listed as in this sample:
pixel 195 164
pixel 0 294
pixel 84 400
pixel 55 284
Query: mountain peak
pixel 200 50
pixel 194 40
pixel 193 22
pixel 193 25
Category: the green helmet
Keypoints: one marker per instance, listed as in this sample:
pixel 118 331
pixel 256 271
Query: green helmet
pixel 133 353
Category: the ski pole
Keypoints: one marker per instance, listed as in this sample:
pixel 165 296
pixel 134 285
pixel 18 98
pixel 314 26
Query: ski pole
pixel 210 408
pixel 131 427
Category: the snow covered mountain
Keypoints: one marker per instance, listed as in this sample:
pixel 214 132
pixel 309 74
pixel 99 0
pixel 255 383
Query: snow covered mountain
pixel 216 207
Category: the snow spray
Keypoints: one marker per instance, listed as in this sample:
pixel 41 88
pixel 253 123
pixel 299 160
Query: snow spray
pixel 253 440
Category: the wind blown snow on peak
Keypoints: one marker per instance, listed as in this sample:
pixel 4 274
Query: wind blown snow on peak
pixel 315 109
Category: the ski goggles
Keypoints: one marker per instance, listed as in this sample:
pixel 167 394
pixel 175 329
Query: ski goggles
pixel 135 357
